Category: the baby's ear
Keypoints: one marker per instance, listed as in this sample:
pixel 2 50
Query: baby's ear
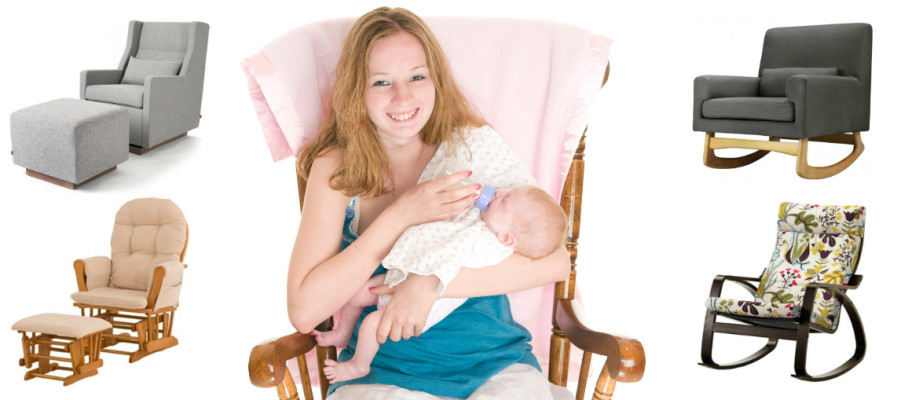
pixel 508 238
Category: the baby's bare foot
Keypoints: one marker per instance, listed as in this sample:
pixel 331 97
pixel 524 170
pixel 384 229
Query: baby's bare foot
pixel 344 371
pixel 332 338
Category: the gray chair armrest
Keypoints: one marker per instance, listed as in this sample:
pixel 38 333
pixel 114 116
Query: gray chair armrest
pixel 714 86
pixel 171 104
pixel 827 105
pixel 99 77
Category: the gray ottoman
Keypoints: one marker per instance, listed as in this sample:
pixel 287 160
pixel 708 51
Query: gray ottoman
pixel 69 142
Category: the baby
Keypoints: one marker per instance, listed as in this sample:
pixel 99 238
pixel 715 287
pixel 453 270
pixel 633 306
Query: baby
pixel 525 220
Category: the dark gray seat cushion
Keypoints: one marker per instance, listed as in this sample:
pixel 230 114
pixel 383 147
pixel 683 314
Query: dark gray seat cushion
pixel 752 108
pixel 126 95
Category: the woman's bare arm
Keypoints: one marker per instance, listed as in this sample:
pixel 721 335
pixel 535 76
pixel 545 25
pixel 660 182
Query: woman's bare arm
pixel 403 316
pixel 321 278
pixel 313 297
pixel 515 273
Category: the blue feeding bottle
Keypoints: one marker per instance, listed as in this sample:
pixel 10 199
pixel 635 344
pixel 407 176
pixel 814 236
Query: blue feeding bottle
pixel 450 165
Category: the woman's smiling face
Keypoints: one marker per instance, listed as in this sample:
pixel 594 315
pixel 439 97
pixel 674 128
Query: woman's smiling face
pixel 400 92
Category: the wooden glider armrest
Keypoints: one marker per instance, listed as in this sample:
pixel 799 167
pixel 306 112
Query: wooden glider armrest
pixel 625 357
pixel 716 288
pixel 268 361
pixel 839 291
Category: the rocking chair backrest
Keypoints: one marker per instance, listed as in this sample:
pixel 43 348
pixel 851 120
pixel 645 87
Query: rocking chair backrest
pixel 847 47
pixel 814 244
pixel 147 233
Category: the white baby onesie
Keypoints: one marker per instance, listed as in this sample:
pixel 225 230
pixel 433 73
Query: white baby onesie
pixel 442 248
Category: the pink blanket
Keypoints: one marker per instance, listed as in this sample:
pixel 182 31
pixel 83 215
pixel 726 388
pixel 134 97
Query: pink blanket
pixel 533 81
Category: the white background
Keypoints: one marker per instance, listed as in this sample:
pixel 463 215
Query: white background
pixel 657 225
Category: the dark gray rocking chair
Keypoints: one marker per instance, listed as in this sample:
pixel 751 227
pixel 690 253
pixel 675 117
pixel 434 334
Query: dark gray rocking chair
pixel 814 84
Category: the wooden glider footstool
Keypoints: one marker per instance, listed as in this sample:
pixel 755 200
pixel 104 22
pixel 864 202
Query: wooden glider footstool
pixel 79 336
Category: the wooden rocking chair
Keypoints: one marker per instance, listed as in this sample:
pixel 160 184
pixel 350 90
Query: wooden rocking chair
pixel 625 358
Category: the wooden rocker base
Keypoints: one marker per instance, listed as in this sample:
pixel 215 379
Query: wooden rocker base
pixel 707 361
pixel 858 354
pixel 75 352
pixel 798 149
pixel 142 150
pixel 153 332
pixel 65 184
pixel 800 351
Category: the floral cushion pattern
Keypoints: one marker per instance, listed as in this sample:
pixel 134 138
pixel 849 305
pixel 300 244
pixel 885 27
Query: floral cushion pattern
pixel 815 243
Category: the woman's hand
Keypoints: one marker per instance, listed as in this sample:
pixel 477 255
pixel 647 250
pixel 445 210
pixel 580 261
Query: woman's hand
pixel 429 201
pixel 405 314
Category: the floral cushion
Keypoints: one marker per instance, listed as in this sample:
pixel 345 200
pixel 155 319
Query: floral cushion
pixel 814 244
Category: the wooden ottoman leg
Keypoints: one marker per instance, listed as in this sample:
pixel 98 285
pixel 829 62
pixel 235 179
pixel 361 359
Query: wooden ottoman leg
pixel 76 352
pixel 26 351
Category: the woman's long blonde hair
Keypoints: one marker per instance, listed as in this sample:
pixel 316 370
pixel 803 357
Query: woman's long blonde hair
pixel 364 169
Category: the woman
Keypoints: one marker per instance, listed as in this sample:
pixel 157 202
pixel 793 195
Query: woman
pixel 394 104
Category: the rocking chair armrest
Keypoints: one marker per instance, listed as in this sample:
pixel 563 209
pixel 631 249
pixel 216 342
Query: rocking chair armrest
pixel 99 77
pixel 826 103
pixel 92 272
pixel 625 358
pixel 715 86
pixel 716 288
pixel 268 361
pixel 839 291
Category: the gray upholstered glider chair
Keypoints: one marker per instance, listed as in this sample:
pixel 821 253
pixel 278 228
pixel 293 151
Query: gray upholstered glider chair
pixel 159 81
pixel 814 84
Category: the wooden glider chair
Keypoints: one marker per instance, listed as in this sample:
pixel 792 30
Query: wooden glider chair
pixel 137 289
pixel 814 84
pixel 801 292
pixel 543 123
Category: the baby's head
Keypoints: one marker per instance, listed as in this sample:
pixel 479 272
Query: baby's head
pixel 528 219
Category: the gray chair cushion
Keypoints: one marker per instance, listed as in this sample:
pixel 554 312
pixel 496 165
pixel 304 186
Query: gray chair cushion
pixel 137 70
pixel 753 108
pixel 126 95
pixel 774 80
pixel 167 41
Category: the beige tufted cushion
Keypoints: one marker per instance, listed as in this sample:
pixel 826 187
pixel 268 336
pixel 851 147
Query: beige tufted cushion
pixel 147 233
pixel 73 326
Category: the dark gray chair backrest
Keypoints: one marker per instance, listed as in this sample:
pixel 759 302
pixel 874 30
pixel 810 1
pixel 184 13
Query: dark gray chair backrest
pixel 847 47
